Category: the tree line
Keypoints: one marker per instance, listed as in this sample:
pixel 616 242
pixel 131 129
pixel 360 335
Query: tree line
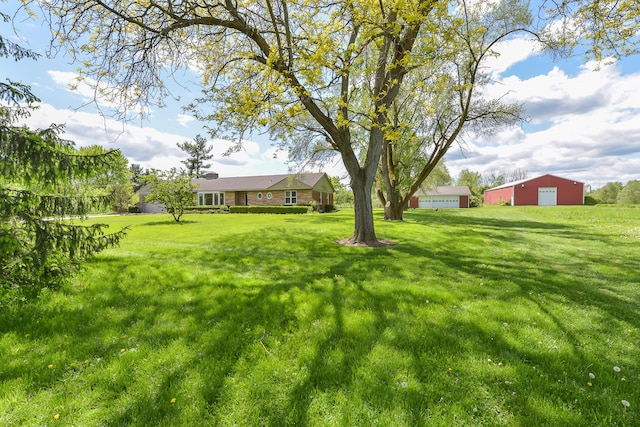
pixel 617 193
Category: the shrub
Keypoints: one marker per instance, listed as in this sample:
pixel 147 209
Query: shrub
pixel 269 209
pixel 591 201
pixel 329 208
pixel 312 206
pixel 207 209
pixel 133 209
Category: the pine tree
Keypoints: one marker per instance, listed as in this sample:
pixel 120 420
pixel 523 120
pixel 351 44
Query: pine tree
pixel 40 246
pixel 199 153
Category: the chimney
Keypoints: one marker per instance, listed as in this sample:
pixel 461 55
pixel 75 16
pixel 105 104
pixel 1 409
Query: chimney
pixel 211 175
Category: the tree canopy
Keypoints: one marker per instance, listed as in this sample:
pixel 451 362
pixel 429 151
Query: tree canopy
pixel 37 172
pixel 630 193
pixel 173 189
pixel 322 77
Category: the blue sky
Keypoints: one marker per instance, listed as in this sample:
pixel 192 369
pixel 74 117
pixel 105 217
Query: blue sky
pixel 584 124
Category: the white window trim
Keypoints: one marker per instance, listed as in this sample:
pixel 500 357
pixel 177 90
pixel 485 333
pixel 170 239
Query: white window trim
pixel 291 196
pixel 215 195
pixel 259 195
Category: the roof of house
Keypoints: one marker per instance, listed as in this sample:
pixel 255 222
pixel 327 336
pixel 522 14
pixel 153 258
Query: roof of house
pixel 522 181
pixel 264 182
pixel 448 190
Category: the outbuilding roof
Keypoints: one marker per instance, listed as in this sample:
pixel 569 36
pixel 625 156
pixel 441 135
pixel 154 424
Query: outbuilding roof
pixel 447 190
pixel 522 181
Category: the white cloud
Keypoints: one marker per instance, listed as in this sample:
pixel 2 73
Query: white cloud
pixel 185 119
pixel 151 148
pixel 585 127
pixel 510 52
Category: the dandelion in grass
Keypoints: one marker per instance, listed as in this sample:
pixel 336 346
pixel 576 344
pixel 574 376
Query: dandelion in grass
pixel 592 376
pixel 173 400
pixel 626 403
pixel 590 384
pixel 616 369
pixel 122 350
pixel 56 416
pixel 50 366
pixel 404 384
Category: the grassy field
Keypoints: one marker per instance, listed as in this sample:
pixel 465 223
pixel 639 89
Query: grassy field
pixel 512 316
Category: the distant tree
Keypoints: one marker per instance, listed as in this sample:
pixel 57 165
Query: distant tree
pixel 471 179
pixel 199 153
pixel 342 196
pixel 493 178
pixel 609 192
pixel 116 183
pixel 40 246
pixel 438 176
pixel 138 176
pixel 517 174
pixel 173 189
pixel 630 193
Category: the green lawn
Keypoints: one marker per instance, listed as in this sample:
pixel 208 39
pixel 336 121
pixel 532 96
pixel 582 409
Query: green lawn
pixel 493 316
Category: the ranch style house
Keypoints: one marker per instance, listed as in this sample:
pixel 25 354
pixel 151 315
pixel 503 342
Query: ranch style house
pixel 265 190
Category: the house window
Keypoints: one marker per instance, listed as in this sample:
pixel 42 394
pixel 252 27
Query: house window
pixel 269 196
pixel 259 196
pixel 290 197
pixel 211 199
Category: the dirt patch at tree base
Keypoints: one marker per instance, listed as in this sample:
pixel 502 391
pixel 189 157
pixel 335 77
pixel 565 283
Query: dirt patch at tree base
pixel 380 243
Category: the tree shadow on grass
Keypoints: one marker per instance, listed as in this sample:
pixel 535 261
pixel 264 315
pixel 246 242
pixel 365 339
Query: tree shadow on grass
pixel 254 332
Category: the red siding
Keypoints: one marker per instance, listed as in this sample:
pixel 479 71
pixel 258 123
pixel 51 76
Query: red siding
pixel 568 192
pixel 495 197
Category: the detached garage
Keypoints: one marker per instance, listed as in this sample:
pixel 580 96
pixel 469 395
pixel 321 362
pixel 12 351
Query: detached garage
pixel 546 190
pixel 442 198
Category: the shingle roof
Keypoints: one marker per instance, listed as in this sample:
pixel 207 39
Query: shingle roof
pixel 264 182
pixel 449 190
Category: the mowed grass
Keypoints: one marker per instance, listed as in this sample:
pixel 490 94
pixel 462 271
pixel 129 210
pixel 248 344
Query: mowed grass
pixel 478 317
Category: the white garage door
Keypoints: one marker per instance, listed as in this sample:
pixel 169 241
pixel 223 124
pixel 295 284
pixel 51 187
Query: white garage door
pixel 439 202
pixel 547 196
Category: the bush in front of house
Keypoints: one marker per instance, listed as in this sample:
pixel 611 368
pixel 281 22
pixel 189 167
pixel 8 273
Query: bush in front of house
pixel 207 209
pixel 329 208
pixel 269 209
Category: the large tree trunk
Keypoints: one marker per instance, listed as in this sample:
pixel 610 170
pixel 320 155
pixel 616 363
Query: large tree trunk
pixel 393 198
pixel 364 230
pixel 394 208
pixel 362 183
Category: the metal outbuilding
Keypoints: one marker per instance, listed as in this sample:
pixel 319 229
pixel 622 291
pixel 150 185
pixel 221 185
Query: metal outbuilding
pixel 545 190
